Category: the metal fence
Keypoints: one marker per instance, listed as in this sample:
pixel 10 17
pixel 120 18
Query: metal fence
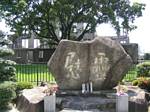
pixel 34 73
pixel 131 74
pixel 37 73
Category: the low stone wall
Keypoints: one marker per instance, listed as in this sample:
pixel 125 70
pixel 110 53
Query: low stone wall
pixel 31 100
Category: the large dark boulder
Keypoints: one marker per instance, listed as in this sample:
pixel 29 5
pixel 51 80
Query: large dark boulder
pixel 101 61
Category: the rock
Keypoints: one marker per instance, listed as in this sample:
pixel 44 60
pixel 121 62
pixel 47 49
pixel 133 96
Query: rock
pixel 101 61
pixel 31 100
pixel 132 50
pixel 137 100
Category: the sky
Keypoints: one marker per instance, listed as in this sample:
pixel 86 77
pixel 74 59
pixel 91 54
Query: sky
pixel 140 35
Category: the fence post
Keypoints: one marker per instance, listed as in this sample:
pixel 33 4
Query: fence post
pixel 37 77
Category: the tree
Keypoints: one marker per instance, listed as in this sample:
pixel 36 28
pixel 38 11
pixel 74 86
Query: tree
pixel 146 56
pixel 53 20
pixel 7 70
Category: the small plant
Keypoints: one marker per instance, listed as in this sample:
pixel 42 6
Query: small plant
pixel 7 94
pixel 135 82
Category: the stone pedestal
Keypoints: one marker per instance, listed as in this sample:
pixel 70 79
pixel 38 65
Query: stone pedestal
pixel 122 103
pixel 50 103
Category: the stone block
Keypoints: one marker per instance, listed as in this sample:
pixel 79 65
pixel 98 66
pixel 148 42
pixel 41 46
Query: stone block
pixel 101 61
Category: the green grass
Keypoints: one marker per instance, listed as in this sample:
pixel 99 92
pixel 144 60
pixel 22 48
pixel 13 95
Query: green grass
pixel 33 72
pixel 131 75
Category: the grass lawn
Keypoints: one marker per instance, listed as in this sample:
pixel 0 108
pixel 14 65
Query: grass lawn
pixel 131 75
pixel 33 73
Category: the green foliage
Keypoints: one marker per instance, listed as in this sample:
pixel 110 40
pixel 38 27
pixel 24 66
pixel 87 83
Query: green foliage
pixel 7 70
pixel 135 82
pixel 7 73
pixel 3 40
pixel 143 83
pixel 7 93
pixel 23 85
pixel 147 56
pixel 131 74
pixel 46 18
pixel 143 69
pixel 6 52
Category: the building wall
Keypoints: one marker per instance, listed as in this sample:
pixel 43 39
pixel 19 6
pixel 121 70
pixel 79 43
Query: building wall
pixel 23 56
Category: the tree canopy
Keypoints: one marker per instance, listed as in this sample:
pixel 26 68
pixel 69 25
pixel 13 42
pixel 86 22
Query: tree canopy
pixel 53 20
pixel 146 56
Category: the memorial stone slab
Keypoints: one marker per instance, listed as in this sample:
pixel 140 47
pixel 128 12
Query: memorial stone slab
pixel 101 61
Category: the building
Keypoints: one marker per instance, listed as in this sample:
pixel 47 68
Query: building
pixel 29 49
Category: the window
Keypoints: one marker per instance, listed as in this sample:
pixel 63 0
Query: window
pixel 41 54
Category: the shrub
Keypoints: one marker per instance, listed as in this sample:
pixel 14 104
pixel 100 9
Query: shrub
pixel 135 82
pixel 147 56
pixel 143 69
pixel 7 93
pixel 7 69
pixel 7 73
pixel 147 83
pixel 23 85
pixel 143 83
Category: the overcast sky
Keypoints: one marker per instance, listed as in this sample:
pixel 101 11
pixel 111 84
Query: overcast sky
pixel 141 35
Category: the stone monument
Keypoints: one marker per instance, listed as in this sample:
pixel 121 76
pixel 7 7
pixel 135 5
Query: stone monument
pixel 101 61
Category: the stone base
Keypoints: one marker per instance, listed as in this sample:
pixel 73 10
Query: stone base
pixel 87 103
pixel 98 101
pixel 92 110
pixel 31 100
pixel 104 93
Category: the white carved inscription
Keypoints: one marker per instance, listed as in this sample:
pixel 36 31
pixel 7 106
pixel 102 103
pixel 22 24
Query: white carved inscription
pixel 100 66
pixel 72 65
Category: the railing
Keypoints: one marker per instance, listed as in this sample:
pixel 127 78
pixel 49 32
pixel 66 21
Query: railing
pixel 35 73
pixel 131 74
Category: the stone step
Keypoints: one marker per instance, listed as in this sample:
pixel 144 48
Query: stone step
pixel 92 110
pixel 86 103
